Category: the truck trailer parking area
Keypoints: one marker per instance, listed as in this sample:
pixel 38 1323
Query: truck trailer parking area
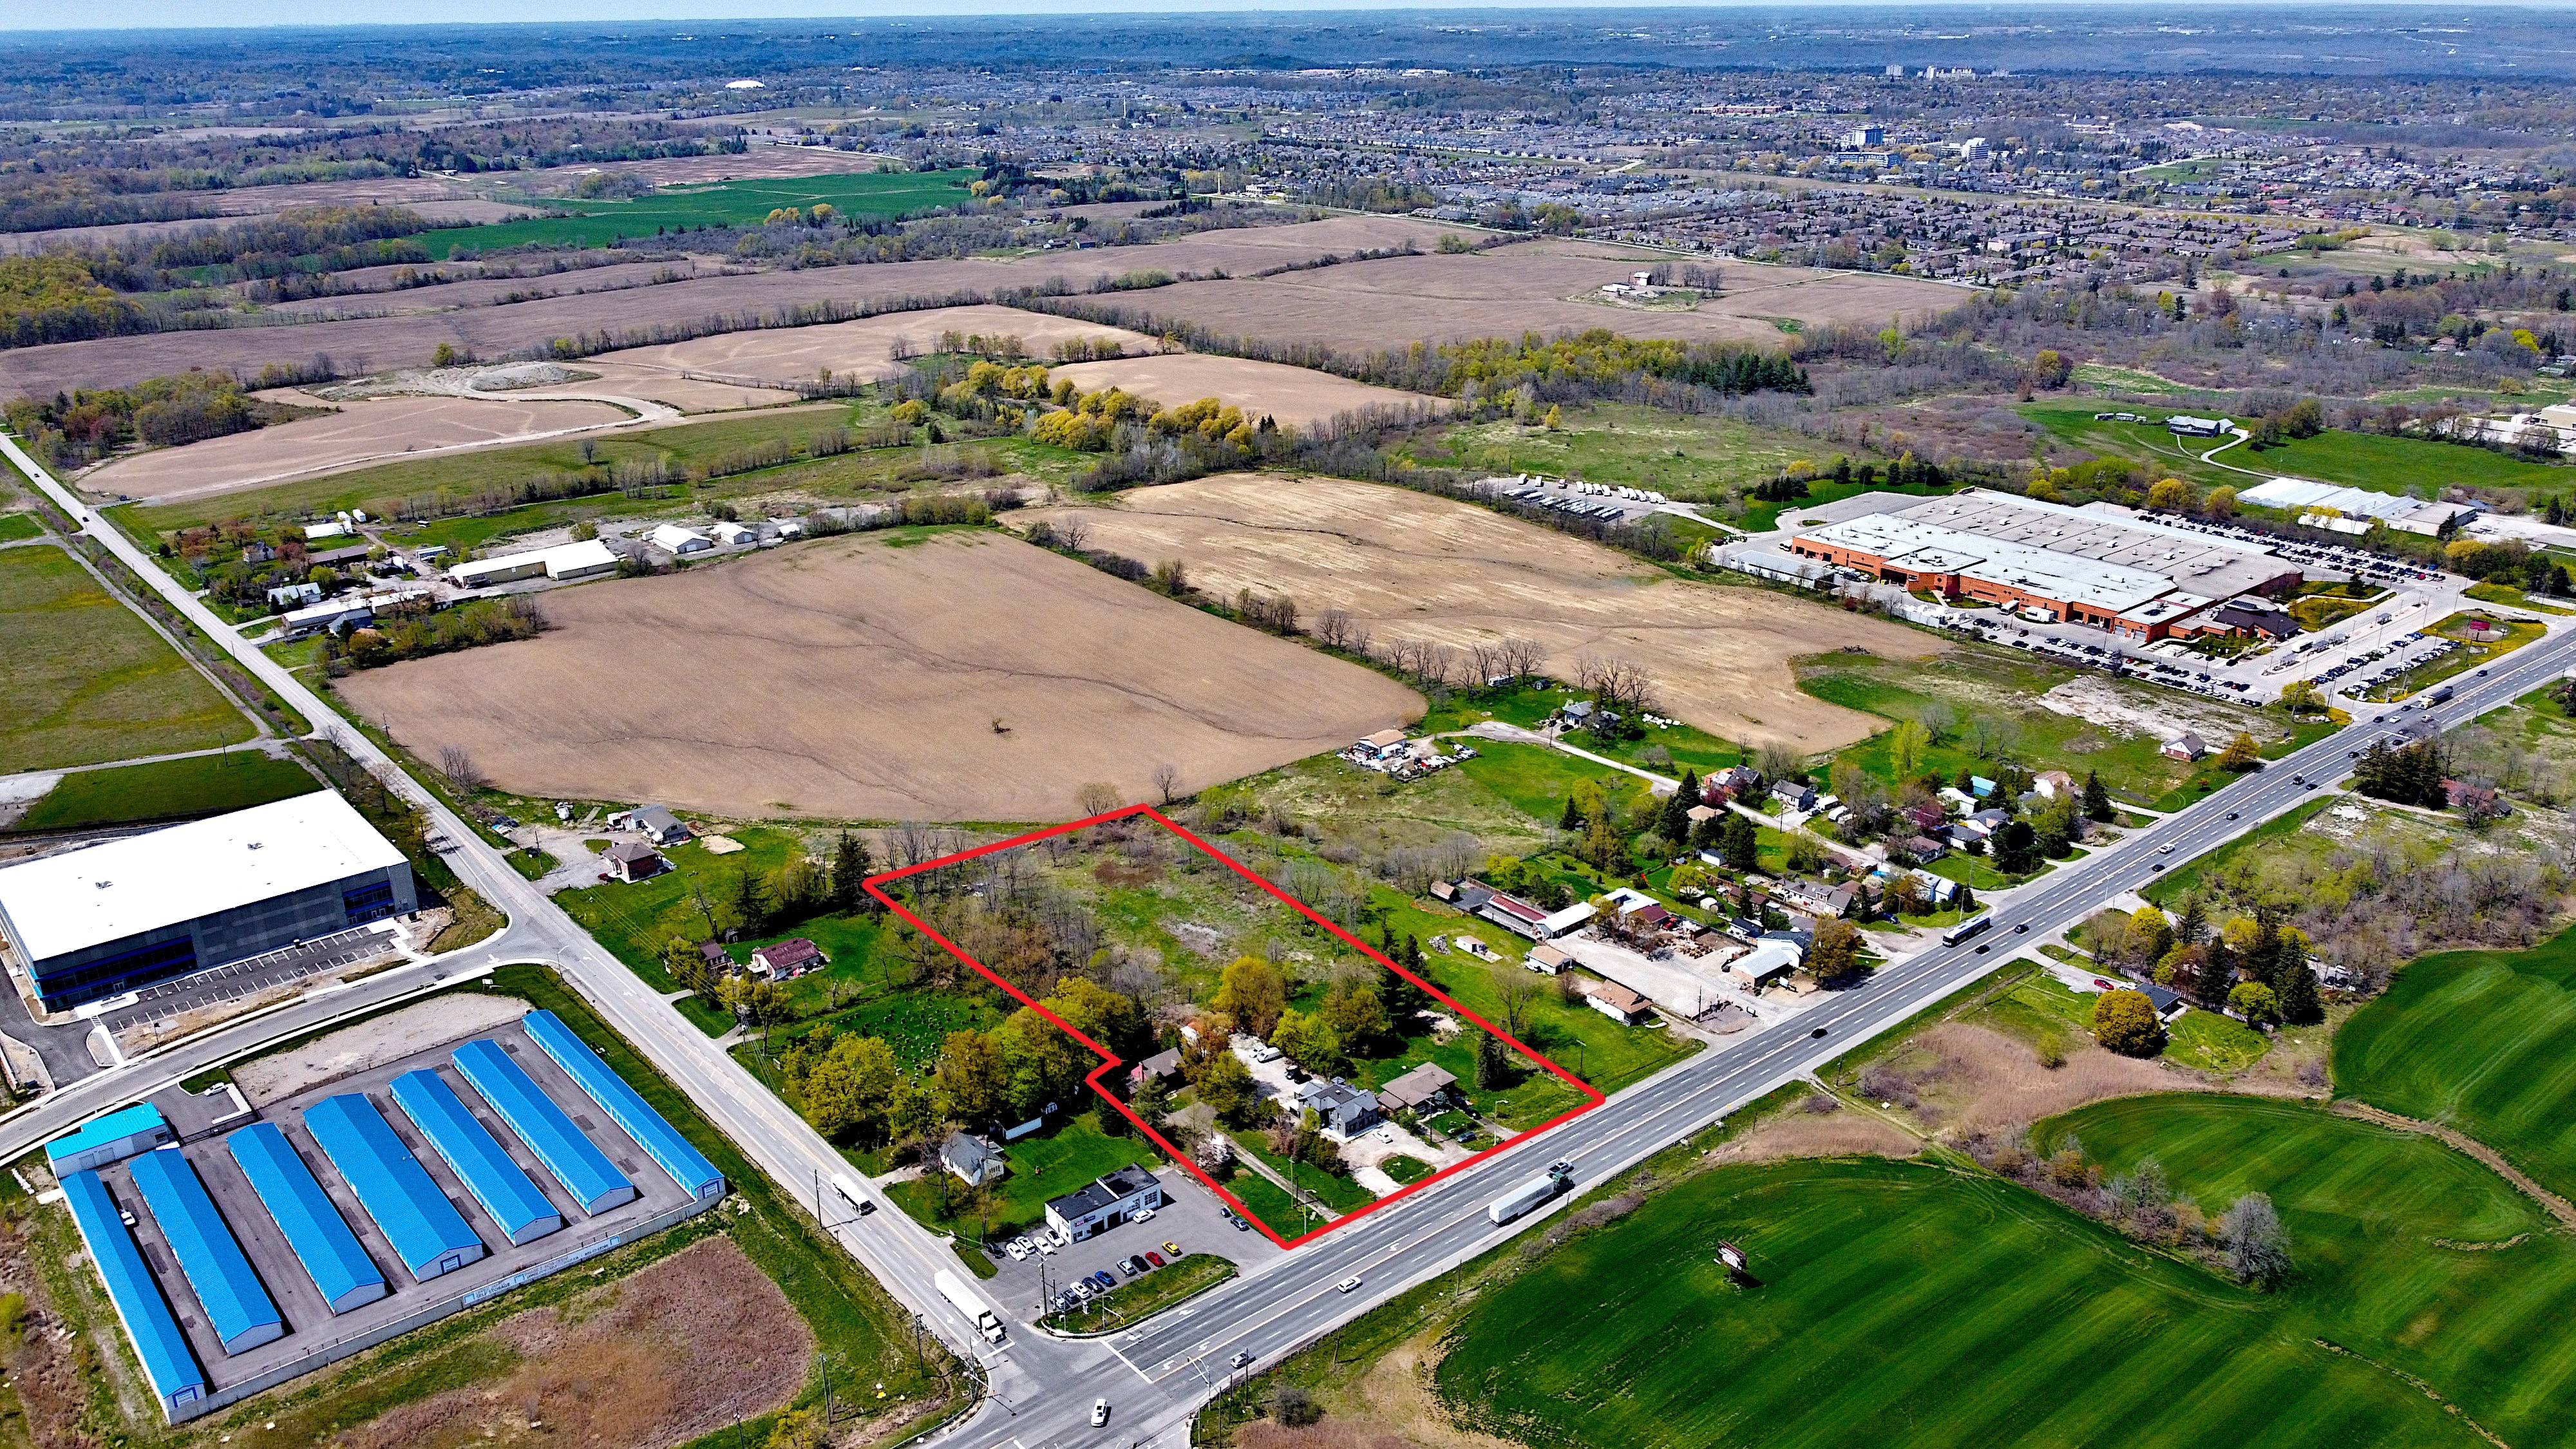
pixel 276 1249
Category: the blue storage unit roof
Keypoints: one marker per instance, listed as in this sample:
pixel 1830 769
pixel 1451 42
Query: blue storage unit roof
pixel 487 1172
pixel 237 1304
pixel 575 1160
pixel 149 1323
pixel 624 1105
pixel 426 1230
pixel 330 1253
pixel 105 1131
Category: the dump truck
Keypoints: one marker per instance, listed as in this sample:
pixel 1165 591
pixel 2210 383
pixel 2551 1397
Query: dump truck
pixel 1531 1195
pixel 955 1291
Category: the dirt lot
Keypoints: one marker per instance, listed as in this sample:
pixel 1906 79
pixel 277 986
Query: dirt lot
pixel 360 432
pixel 675 1351
pixel 1407 565
pixel 1531 287
pixel 1298 397
pixel 493 330
pixel 963 676
pixel 280 1075
pixel 861 347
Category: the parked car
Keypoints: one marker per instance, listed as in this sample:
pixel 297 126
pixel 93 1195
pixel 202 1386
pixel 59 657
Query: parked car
pixel 1105 1281
pixel 1127 1266
pixel 1155 1259
pixel 1174 1249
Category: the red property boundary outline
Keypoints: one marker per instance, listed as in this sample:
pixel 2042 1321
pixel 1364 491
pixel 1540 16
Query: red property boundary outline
pixel 1109 1059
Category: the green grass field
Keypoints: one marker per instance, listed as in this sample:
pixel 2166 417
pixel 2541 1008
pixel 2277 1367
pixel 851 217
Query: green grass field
pixel 1897 1304
pixel 1042 1167
pixel 168 789
pixel 88 681
pixel 17 526
pixel 2484 1041
pixel 1637 447
pixel 2147 443
pixel 2404 1251
pixel 727 203
pixel 2401 465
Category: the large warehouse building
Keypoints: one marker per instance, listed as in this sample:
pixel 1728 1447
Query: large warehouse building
pixel 94 923
pixel 2138 578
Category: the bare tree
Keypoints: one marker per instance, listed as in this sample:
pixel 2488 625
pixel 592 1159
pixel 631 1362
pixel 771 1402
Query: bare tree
pixel 457 764
pixel 1777 760
pixel 1072 534
pixel 1167 783
pixel 1514 992
pixel 1098 798
pixel 1485 661
pixel 1521 656
pixel 1333 626
pixel 1617 683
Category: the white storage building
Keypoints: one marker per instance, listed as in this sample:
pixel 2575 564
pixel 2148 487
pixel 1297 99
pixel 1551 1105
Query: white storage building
pixel 671 538
pixel 568 561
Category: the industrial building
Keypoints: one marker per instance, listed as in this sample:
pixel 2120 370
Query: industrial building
pixel 2353 510
pixel 237 1307
pixel 586 559
pixel 2135 577
pixel 572 1159
pixel 1104 1204
pixel 425 1229
pixel 624 1105
pixel 149 1324
pixel 328 1252
pixel 97 922
pixel 476 1157
pixel 123 1133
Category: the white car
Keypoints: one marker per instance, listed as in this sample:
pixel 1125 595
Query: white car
pixel 1044 1245
pixel 1346 1285
pixel 1146 1216
pixel 1099 1412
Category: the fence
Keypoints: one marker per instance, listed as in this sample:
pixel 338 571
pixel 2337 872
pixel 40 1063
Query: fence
pixel 340 1348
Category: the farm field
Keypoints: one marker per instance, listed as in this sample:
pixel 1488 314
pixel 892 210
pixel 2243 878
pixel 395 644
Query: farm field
pixel 1408 565
pixel 1298 397
pixel 2479 1041
pixel 862 678
pixel 1541 286
pixel 88 680
pixel 481 328
pixel 2404 1251
pixel 859 348
pixel 167 789
pixel 720 203
pixel 355 434
pixel 1897 1304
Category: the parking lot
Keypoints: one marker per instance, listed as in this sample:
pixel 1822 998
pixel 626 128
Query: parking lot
pixel 170 1000
pixel 1605 502
pixel 1192 1219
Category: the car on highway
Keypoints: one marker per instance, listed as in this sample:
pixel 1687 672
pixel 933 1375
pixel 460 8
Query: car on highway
pixel 1983 949
pixel 1346 1285
pixel 2022 930
pixel 1818 1032
pixel 2231 814
pixel 2164 850
pixel 1099 1412
pixel 1241 1358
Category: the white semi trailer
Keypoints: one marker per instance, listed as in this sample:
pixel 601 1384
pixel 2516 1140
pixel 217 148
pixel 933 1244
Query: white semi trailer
pixel 955 1291
pixel 1531 1195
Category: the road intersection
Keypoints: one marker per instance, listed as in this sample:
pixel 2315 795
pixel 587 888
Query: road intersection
pixel 1158 1375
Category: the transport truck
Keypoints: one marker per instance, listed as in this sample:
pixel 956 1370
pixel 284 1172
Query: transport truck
pixel 1531 1195
pixel 955 1291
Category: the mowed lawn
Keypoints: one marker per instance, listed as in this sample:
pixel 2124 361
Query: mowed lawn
pixel 87 680
pixel 2484 1041
pixel 1899 1304
pixel 168 789
pixel 2403 1249
pixel 2401 465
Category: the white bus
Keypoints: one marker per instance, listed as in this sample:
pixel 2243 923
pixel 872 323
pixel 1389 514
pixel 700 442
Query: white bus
pixel 1967 928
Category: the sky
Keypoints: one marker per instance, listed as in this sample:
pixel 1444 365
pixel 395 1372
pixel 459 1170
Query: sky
pixel 122 14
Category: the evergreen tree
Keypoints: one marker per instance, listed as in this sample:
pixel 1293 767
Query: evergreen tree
pixel 1739 844
pixel 1965 900
pixel 2217 976
pixel 1676 821
pixel 2017 848
pixel 1572 819
pixel 1706 834
pixel 851 866
pixel 746 906
pixel 2263 953
pixel 1493 1062
pixel 2195 920
pixel 2300 1005
pixel 2097 798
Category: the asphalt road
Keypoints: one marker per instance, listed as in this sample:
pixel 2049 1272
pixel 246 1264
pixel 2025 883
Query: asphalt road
pixel 1157 1376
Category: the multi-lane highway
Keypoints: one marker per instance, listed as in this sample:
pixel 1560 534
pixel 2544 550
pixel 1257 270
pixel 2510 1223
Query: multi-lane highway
pixel 1157 1376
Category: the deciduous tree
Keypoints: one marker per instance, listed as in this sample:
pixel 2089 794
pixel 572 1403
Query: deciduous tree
pixel 2126 1022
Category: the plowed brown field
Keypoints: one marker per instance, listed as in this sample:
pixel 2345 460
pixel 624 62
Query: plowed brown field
pixel 963 676
pixel 1409 565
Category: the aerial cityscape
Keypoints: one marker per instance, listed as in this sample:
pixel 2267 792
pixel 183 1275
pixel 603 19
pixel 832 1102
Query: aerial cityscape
pixel 1453 729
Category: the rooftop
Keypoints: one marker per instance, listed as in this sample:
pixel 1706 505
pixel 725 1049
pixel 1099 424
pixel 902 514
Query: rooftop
pixel 107 892
pixel 99 1131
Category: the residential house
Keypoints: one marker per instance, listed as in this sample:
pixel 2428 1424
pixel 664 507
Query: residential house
pixel 1618 1002
pixel 792 957
pixel 1737 781
pixel 1342 1111
pixel 1700 814
pixel 1162 1066
pixel 658 825
pixel 1385 744
pixel 715 957
pixel 633 860
pixel 2054 783
pixel 1577 714
pixel 1926 818
pixel 258 553
pixel 285 596
pixel 972 1160
pixel 1916 848
pixel 1794 794
pixel 2473 800
pixel 2185 747
pixel 1548 960
pixel 1427 1087
pixel 1105 1204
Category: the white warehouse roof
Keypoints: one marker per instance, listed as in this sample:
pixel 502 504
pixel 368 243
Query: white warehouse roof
pixel 570 560
pixel 2350 502
pixel 103 893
